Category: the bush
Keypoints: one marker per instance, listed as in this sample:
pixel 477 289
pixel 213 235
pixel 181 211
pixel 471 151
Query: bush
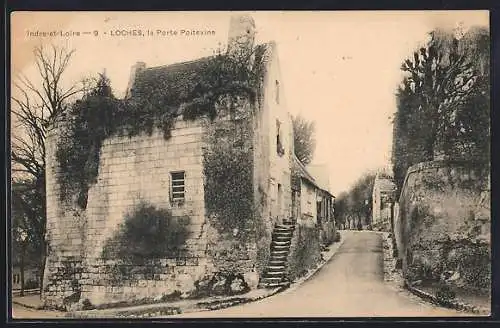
pixel 445 294
pixel 147 233
pixel 87 305
pixel 337 237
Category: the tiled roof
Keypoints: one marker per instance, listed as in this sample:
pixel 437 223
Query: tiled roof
pixel 300 170
pixel 176 81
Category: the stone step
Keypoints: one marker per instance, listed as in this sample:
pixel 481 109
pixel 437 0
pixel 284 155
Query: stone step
pixel 274 274
pixel 282 238
pixel 275 285
pixel 280 246
pixel 278 254
pixel 277 263
pixel 276 268
pixel 281 242
pixel 282 230
pixel 279 257
pixel 285 226
pixel 280 249
pixel 272 279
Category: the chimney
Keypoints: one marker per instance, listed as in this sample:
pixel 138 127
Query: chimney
pixel 241 35
pixel 136 68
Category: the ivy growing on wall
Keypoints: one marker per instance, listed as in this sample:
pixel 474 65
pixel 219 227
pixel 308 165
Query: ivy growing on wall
pixel 228 171
pixel 152 105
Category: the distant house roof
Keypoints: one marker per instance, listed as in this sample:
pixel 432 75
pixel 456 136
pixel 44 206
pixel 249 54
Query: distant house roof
pixel 320 174
pixel 300 171
pixel 385 184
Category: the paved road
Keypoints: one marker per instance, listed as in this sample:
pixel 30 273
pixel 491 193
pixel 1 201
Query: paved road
pixel 350 285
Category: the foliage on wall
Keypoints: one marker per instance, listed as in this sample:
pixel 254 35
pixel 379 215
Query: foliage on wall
pixel 147 233
pixel 228 171
pixel 305 255
pixel 99 115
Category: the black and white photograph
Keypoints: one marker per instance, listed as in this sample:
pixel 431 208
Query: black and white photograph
pixel 250 164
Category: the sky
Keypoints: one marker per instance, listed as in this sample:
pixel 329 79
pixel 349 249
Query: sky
pixel 339 69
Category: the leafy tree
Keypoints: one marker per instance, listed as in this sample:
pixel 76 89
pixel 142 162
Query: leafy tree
pixel 443 101
pixel 27 226
pixel 355 204
pixel 303 139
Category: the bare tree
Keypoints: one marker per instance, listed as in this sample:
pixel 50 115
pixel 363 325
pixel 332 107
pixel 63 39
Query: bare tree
pixel 36 105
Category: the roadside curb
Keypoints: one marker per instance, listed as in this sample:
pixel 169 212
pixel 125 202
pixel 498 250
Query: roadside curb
pixel 389 269
pixel 27 305
pixel 333 250
pixel 452 304
pixel 173 308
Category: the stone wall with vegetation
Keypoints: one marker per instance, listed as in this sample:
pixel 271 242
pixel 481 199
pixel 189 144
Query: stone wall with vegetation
pixel 443 228
pixel 229 191
pixel 305 249
pixel 131 170
pixel 65 224
pixel 116 156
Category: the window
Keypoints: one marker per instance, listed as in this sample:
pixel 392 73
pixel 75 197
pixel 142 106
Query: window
pixel 177 186
pixel 280 198
pixel 279 144
pixel 277 91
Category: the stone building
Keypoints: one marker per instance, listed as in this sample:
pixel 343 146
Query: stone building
pixel 313 204
pixel 247 236
pixel 383 201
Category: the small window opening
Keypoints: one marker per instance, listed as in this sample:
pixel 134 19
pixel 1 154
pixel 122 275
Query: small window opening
pixel 279 143
pixel 177 186
pixel 277 92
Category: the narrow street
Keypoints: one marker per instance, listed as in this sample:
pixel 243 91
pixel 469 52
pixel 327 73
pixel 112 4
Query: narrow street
pixel 350 285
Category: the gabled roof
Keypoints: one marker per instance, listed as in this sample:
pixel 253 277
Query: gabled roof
pixel 320 174
pixel 301 171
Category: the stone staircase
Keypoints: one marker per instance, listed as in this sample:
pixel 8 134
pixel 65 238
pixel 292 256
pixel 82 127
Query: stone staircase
pixel 275 274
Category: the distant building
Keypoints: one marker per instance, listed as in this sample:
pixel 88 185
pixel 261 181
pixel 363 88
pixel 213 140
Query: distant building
pixel 312 201
pixel 383 201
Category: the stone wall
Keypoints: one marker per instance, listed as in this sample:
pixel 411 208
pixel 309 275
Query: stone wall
pixel 305 249
pixel 228 162
pixel 443 228
pixel 136 169
pixel 131 170
pixel 64 236
pixel 106 282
